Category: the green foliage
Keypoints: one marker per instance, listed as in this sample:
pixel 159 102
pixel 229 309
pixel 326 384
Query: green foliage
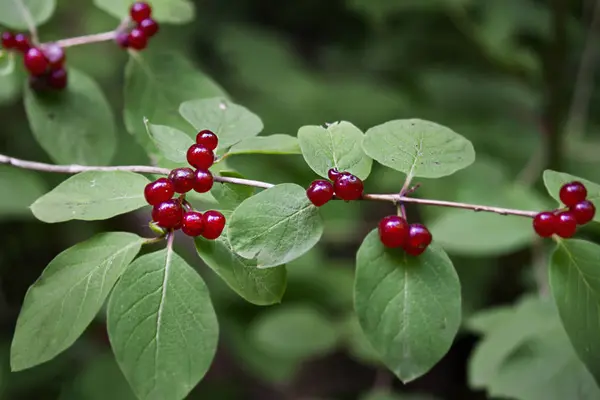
pixel 162 326
pixel 25 188
pixel 16 14
pixel 275 226
pixel 273 144
pixel 554 180
pixel 74 126
pixel 338 145
pixel 7 62
pixel 408 307
pixel 228 195
pixel 172 143
pixel 418 148
pixel 169 11
pixel 230 122
pixel 92 196
pixel 382 394
pixel 64 300
pixel 575 282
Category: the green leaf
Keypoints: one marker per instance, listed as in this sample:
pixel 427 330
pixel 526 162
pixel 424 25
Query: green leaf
pixel 554 180
pixel 418 148
pixel 273 144
pixel 167 11
pixel 257 286
pixel 359 346
pixel 172 143
pixel 336 146
pixel 24 187
pixel 7 62
pixel 297 332
pixel 68 295
pixel 228 195
pixel 162 326
pixel 17 14
pixel 155 84
pixel 74 126
pixel 408 307
pixel 575 283
pixel 487 321
pixel 230 122
pixel 383 394
pixel 275 226
pixel 91 196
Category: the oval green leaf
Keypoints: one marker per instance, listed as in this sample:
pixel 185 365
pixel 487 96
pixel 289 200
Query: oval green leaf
pixel 168 11
pixel 162 326
pixel 74 126
pixel 339 145
pixel 554 180
pixel 172 143
pixel 275 226
pixel 575 283
pixel 68 295
pixel 21 14
pixel 418 148
pixel 91 196
pixel 24 187
pixel 408 307
pixel 273 144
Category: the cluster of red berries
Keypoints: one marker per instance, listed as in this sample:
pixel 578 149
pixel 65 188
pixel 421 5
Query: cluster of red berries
pixel 563 222
pixel 344 185
pixel 45 63
pixel 396 232
pixel 170 213
pixel 145 27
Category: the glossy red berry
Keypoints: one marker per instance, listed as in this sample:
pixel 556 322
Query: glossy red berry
pixel 149 27
pixel 207 139
pixel 213 223
pixel 566 224
pixel 584 212
pixel 393 231
pixel 168 214
pixel 22 42
pixel 348 187
pixel 122 39
pixel 35 61
pixel 139 11
pixel 137 39
pixel 333 174
pixel 57 79
pixel 8 40
pixel 572 193
pixel 201 157
pixel 419 238
pixel 192 223
pixel 320 192
pixel 545 224
pixel 203 181
pixel 55 55
pixel 159 191
pixel 183 179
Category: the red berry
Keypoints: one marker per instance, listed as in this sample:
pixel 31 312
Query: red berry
pixel 320 192
pixel 22 42
pixel 200 157
pixel 545 224
pixel 566 224
pixel 159 191
pixel 139 11
pixel 213 223
pixel 8 41
pixel 137 39
pixel 584 212
pixel 55 55
pixel 207 139
pixel 393 231
pixel 168 214
pixel 348 187
pixel 192 223
pixel 183 179
pixel 58 79
pixel 149 27
pixel 203 181
pixel 333 174
pixel 572 193
pixel 35 61
pixel 418 240
pixel 122 39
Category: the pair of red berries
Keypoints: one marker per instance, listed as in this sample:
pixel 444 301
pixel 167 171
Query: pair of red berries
pixel 145 27
pixel 563 223
pixel 45 64
pixel 176 213
pixel 396 232
pixel 345 186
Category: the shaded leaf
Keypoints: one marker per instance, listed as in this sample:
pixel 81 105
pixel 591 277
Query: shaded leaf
pixel 169 11
pixel 554 180
pixel 16 14
pixel 24 186
pixel 273 144
pixel 228 195
pixel 172 143
pixel 7 62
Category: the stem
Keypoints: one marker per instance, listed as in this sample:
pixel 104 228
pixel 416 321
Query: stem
pixel 87 39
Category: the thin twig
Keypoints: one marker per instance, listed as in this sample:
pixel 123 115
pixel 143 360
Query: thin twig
pixel 87 39
pixel 28 20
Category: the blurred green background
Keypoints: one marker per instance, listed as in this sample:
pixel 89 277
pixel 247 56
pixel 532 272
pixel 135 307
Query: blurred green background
pixel 503 73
